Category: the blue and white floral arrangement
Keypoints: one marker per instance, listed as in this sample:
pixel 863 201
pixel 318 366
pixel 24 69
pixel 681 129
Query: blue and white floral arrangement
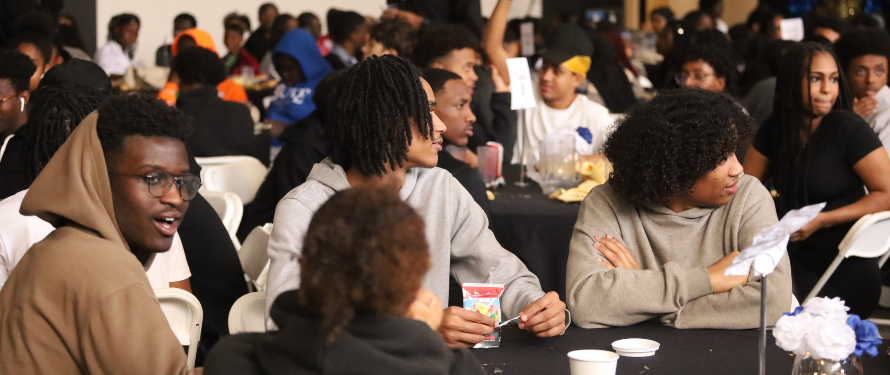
pixel 822 329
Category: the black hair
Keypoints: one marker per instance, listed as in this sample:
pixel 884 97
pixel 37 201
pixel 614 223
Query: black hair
pixel 790 118
pixel 264 8
pixel 234 27
pixel 237 19
pixel 35 22
pixel 513 30
pixel 279 28
pixel 708 6
pixel 326 93
pixel 41 42
pixel 305 18
pixel 838 25
pixel 661 148
pixel 124 115
pixel 199 65
pixel 867 21
pixel 720 61
pixel 342 24
pixel 437 78
pixel 860 43
pixel 371 128
pixel 664 12
pixel 55 112
pixel 69 36
pixel 17 68
pixel 120 20
pixel 690 21
pixel 437 42
pixel 185 17
pixel 396 34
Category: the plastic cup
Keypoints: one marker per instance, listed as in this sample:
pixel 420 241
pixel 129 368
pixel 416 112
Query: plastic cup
pixel 593 362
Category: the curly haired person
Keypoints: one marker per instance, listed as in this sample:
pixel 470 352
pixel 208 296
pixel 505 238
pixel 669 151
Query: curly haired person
pixel 654 242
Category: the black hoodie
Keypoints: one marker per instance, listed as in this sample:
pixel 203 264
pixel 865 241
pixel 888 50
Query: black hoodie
pixel 370 344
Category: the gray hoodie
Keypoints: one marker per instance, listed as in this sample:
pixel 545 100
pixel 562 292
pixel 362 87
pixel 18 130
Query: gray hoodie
pixel 456 228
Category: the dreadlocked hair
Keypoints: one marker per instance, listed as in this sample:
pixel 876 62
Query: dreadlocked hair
pixel 55 112
pixel 792 119
pixel 371 126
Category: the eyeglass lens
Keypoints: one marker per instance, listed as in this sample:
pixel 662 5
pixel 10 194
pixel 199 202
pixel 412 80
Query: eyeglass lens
pixel 159 183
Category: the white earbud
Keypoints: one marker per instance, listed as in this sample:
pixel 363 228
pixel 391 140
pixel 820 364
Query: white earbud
pixel 23 104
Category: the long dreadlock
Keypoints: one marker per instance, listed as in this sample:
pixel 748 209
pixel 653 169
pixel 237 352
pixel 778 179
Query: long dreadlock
pixel 370 123
pixel 55 112
pixel 793 125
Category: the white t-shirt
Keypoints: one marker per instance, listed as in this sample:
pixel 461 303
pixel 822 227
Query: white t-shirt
pixel 18 233
pixel 113 59
pixel 535 123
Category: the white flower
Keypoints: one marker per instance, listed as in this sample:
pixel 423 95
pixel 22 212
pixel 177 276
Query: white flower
pixel 830 338
pixel 791 332
pixel 830 309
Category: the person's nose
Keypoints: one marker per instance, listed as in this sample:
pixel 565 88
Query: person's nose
pixel 473 77
pixel 471 118
pixel 173 197
pixel 735 168
pixel 871 78
pixel 438 125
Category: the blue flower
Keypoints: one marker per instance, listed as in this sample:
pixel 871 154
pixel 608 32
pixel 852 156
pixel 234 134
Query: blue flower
pixel 867 338
pixel 799 309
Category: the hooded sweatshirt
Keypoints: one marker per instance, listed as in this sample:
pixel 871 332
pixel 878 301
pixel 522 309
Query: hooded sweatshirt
pixel 369 344
pixel 293 103
pixel 461 245
pixel 79 301
pixel 228 90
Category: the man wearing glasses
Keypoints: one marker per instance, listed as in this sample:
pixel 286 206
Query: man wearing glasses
pixel 79 301
pixel 707 67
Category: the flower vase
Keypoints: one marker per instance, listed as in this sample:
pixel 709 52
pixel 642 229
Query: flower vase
pixel 807 365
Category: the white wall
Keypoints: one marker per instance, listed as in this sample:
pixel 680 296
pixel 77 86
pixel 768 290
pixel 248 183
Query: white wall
pixel 157 16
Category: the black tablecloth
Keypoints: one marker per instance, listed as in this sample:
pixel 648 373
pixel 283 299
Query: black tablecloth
pixel 681 352
pixel 537 229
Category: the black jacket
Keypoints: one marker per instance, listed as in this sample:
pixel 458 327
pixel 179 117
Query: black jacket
pixel 12 168
pixel 221 128
pixel 258 44
pixel 335 61
pixel 467 13
pixel 495 121
pixel 370 344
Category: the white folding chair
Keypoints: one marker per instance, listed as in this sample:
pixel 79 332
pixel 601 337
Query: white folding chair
pixel 248 314
pixel 868 238
pixel 185 315
pixel 254 255
pixel 228 206
pixel 241 175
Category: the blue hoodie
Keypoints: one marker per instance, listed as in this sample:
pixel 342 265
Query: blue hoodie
pixel 292 103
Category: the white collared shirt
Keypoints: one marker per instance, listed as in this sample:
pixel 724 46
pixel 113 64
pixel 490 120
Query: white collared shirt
pixel 113 59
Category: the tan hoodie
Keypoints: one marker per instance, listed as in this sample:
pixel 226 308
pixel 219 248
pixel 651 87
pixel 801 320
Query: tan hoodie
pixel 79 301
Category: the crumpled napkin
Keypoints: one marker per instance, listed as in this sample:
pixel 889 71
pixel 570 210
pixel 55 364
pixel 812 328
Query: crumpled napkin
pixel 595 174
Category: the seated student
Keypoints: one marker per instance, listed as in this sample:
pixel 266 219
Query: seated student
pixel 298 61
pixel 55 111
pixel 15 71
pixel 453 48
pixel 182 22
pixel 360 308
pixel 282 25
pixel 864 56
pixel 79 301
pixel 312 24
pixel 221 127
pixel 654 242
pixel 370 147
pixel 707 67
pixel 453 108
pixel 237 58
pixel 260 40
pixel 39 49
pixel 391 36
pixel 304 146
pixel 228 89
pixel 120 52
pixel 349 33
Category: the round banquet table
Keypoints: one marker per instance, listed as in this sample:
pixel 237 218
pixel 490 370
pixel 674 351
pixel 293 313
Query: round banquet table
pixel 682 352
pixel 534 228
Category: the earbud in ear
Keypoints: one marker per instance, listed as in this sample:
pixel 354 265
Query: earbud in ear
pixel 23 104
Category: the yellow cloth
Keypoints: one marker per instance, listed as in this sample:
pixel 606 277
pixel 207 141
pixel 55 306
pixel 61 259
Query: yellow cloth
pixel 578 64
pixel 595 174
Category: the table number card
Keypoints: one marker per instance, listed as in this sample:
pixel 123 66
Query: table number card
pixel 527 38
pixel 523 95
pixel 792 29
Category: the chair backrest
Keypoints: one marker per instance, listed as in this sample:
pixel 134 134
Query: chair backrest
pixel 248 314
pixel 228 206
pixel 241 175
pixel 254 253
pixel 185 315
pixel 868 238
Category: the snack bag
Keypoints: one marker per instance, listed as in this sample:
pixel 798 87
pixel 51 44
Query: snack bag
pixel 485 299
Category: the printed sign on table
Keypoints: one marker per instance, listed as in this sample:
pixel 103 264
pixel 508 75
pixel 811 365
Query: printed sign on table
pixel 521 84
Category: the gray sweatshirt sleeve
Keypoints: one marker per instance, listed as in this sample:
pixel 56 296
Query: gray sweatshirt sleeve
pixel 740 307
pixel 292 219
pixel 598 297
pixel 477 257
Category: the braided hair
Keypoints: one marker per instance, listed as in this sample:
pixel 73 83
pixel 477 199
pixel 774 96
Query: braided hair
pixel 792 124
pixel 371 127
pixel 55 112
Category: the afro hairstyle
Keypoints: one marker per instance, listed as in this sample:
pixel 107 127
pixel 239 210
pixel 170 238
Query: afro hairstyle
pixel 718 59
pixel 437 42
pixel 124 115
pixel 860 43
pixel 17 68
pixel 199 65
pixel 396 34
pixel 342 24
pixel 661 148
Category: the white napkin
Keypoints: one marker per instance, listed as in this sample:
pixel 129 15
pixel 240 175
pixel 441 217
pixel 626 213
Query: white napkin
pixel 772 242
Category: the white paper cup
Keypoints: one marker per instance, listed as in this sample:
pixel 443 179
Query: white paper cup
pixel 593 362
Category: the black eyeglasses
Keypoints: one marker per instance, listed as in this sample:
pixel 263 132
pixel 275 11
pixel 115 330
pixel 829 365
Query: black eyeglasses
pixel 160 182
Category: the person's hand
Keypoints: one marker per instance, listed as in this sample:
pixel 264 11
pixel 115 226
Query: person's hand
pixel 426 308
pixel 499 84
pixel 865 106
pixel 275 127
pixel 615 252
pixel 807 230
pixel 544 317
pixel 464 328
pixel 412 19
pixel 719 281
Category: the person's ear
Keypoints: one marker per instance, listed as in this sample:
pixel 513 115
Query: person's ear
pixel 721 82
pixel 390 51
pixel 577 79
pixel 25 97
pixel 437 65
